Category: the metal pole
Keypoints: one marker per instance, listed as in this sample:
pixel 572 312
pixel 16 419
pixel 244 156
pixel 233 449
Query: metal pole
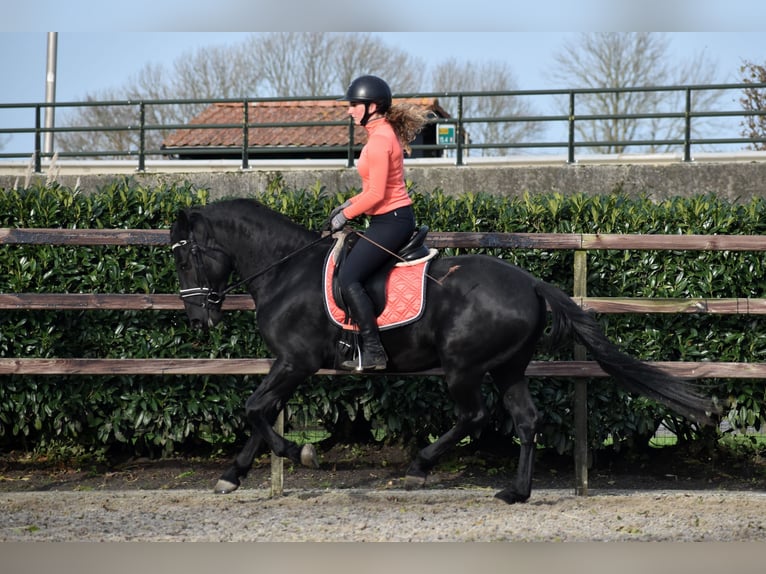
pixel 688 127
pixel 142 137
pixel 350 151
pixel 38 164
pixel 571 147
pixel 50 91
pixel 245 135
pixel 459 132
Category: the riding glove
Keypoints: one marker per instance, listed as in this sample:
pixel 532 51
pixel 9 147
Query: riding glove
pixel 340 208
pixel 338 221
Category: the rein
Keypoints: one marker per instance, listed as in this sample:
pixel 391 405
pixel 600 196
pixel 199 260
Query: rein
pixel 396 256
pixel 270 267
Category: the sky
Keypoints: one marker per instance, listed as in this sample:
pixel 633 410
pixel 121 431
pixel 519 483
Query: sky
pixel 105 48
pixel 392 15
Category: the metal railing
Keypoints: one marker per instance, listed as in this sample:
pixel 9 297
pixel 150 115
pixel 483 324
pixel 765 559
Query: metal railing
pixel 566 102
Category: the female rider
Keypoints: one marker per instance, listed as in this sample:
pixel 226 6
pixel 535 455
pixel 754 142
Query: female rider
pixel 383 198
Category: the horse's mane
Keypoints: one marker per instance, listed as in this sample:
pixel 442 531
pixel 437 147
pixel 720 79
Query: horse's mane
pixel 248 218
pixel 247 214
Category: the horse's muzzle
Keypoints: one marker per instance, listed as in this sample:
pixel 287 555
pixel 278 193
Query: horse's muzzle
pixel 206 321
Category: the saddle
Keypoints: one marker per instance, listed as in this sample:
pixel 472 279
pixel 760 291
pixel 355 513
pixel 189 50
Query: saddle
pixel 413 252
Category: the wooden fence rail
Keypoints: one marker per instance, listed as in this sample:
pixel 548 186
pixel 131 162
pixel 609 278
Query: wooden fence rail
pixel 572 369
pixel 171 302
pixel 438 239
pixel 580 243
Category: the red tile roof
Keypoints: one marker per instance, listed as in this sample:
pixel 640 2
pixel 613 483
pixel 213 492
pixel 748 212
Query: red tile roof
pixel 295 111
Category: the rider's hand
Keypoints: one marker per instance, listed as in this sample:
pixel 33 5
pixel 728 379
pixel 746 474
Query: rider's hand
pixel 338 221
pixel 338 209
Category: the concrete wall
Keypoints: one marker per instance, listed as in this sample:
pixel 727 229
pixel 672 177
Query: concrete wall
pixel 739 178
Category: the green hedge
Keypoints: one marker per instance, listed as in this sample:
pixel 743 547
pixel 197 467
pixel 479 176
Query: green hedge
pixel 162 415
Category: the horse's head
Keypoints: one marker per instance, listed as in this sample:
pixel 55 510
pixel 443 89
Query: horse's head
pixel 203 268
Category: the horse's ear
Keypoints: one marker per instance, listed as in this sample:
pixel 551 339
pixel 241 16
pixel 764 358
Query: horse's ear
pixel 180 227
pixel 199 225
pixel 182 221
pixel 190 221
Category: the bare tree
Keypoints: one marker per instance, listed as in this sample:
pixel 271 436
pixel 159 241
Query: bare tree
pixel 754 100
pixel 360 54
pixel 215 71
pixel 297 64
pixel 288 63
pixel 453 76
pixel 116 125
pixel 622 60
pixel 206 73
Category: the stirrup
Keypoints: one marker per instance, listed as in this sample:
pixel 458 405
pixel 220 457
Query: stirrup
pixel 353 364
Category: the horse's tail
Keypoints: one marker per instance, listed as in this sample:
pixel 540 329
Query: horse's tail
pixel 634 375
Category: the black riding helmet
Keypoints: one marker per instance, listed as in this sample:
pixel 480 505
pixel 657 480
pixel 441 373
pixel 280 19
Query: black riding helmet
pixel 368 89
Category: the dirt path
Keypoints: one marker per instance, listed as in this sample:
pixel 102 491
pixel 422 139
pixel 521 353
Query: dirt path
pixel 457 515
pixel 359 496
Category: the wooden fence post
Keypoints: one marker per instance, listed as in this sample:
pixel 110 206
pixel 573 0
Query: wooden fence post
pixel 581 387
pixel 277 462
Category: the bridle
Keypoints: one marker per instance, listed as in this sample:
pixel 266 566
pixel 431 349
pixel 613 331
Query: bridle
pixel 209 296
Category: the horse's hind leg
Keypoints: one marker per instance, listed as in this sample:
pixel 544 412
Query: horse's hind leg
pixel 472 416
pixel 518 402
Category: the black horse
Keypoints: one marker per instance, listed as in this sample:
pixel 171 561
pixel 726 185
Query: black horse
pixel 485 316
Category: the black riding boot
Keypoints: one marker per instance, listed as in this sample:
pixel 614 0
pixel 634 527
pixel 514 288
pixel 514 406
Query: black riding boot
pixel 363 314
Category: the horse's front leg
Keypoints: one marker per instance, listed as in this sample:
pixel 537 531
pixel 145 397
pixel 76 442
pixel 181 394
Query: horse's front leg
pixel 231 478
pixel 261 410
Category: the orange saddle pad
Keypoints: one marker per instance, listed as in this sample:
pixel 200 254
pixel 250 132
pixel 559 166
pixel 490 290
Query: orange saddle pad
pixel 405 294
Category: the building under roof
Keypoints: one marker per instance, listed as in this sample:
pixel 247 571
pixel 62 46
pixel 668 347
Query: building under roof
pixel 222 138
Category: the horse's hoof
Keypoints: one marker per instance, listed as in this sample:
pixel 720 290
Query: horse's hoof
pixel 510 496
pixel 412 482
pixel 309 456
pixel 225 487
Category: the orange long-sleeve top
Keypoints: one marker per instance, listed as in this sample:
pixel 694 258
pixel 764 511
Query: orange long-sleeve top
pixel 381 167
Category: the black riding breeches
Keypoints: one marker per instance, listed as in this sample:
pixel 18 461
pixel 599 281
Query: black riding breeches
pixel 391 231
